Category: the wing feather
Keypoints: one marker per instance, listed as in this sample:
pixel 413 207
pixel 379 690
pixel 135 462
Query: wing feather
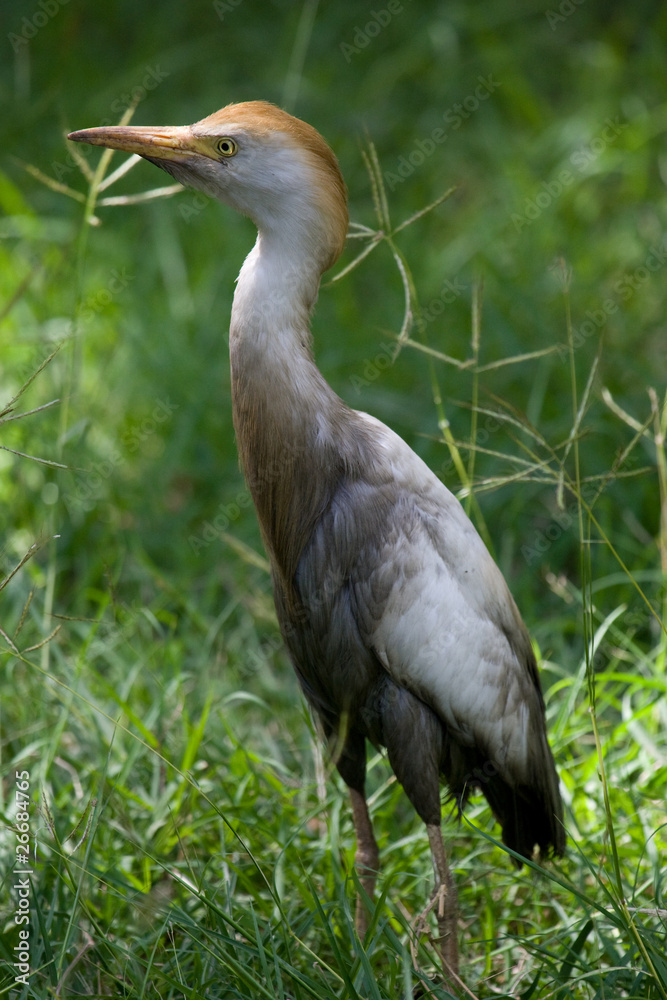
pixel 436 610
pixel 408 635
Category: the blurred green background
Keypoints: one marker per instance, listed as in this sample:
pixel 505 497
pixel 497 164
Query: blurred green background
pixel 579 92
pixel 550 120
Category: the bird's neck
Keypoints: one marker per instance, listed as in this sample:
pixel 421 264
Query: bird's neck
pixel 288 421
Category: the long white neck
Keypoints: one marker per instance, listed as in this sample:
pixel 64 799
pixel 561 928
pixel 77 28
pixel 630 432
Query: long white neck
pixel 290 425
pixel 274 296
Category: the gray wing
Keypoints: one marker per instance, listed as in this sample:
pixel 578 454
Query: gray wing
pixel 397 575
pixel 407 620
pixel 439 616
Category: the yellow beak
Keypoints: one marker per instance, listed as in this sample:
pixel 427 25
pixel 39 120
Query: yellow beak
pixel 157 142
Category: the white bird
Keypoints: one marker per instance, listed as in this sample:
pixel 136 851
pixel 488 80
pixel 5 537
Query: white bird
pixel 400 626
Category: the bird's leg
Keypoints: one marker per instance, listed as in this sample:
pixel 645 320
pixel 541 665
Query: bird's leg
pixel 446 901
pixel 367 857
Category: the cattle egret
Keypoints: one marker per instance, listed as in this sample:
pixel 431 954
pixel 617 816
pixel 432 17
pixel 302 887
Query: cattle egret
pixel 400 626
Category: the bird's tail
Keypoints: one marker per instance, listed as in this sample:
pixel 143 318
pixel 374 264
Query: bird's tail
pixel 530 814
pixel 531 818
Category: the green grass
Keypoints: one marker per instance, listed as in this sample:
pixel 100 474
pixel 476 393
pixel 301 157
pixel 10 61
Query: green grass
pixel 190 849
pixel 191 839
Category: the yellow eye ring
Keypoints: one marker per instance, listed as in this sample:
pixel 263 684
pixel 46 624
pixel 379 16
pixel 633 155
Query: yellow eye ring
pixel 226 146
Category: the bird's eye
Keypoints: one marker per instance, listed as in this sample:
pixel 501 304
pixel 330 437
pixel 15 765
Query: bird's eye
pixel 226 146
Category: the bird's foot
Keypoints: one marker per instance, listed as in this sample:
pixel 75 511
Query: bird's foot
pixel 440 903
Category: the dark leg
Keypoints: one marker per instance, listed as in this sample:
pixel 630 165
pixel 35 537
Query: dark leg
pixel 351 764
pixel 446 901
pixel 415 744
pixel 367 857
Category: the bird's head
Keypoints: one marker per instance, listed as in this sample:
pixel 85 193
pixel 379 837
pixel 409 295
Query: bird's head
pixel 257 159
